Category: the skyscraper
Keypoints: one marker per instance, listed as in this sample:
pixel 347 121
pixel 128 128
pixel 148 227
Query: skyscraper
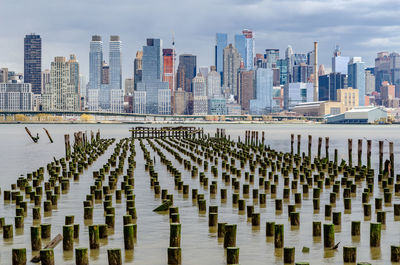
pixel 369 81
pixel 356 77
pixel 339 63
pixel 231 67
pixel 62 94
pixel 263 102
pixel 115 62
pixel 246 88
pixel 240 45
pixel 188 63
pixel 168 72
pixel 221 41
pixel 33 62
pixel 105 73
pixel 156 93
pixel 213 83
pixel 250 49
pixel 137 68
pixel 95 62
pixel 382 69
pixel 329 84
pixel 272 57
pixel 200 101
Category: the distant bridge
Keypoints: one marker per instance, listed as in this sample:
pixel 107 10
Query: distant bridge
pixel 136 117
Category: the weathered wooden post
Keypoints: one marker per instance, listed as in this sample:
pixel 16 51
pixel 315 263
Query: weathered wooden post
pixel 298 143
pixel 395 253
pixel 350 151
pixel 319 147
pixel 375 235
pixel 47 256
pixel 380 156
pixel 36 238
pixel 288 255
pixel 94 237
pixel 19 256
pixel 369 143
pixel 232 255
pixel 391 155
pixel 309 145
pixel 329 235
pixel 230 235
pixel 175 235
pixel 349 254
pixel 279 236
pixel 174 255
pixel 114 256
pixel 327 147
pixel 81 256
pixel 68 237
pixel 359 152
pixel 129 236
pixel 291 143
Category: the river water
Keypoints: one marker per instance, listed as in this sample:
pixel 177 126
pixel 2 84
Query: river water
pixel 19 155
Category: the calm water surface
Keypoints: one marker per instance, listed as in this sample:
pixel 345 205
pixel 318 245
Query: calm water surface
pixel 199 244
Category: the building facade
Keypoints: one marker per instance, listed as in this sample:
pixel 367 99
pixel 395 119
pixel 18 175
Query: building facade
pixel 246 88
pixel 296 93
pixel 16 96
pixel 62 94
pixel 263 102
pixel 221 41
pixel 115 62
pixel 187 62
pixel 356 77
pixel 231 67
pixel 200 100
pixel 33 62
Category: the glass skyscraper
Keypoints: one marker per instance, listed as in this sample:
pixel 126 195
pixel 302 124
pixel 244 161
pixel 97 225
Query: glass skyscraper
pixel 240 45
pixel 220 43
pixel 356 78
pixel 95 62
pixel 188 63
pixel 263 103
pixel 33 62
pixel 115 63
pixel 156 92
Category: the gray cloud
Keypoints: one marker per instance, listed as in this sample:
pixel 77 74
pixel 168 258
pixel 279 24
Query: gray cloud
pixel 361 27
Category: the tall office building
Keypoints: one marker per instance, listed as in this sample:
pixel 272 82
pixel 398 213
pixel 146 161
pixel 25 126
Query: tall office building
pixel 168 64
pixel 244 43
pixel 153 91
pixel 369 81
pixel 188 63
pixel 129 86
pixel 62 94
pixel 95 62
pixel 33 62
pixel 246 89
pixel 115 62
pixel 289 57
pixel 271 56
pixel 339 62
pixel 200 101
pixel 356 78
pixel 213 83
pixel 137 68
pixel 296 93
pixel 329 84
pixel 263 102
pixel 395 72
pixel 45 80
pixel 221 41
pixel 231 67
pixel 250 49
pixel 382 69
pixel 282 65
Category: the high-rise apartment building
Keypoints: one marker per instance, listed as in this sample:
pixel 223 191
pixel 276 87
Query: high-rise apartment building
pixel 45 80
pixel 16 96
pixel 213 83
pixel 246 88
pixel 137 68
pixel 221 41
pixel 188 63
pixel 263 102
pixel 129 86
pixel 200 100
pixel 369 81
pixel 245 46
pixel 62 94
pixel 33 62
pixel 115 62
pixel 156 92
pixel 356 78
pixel 271 57
pixel 95 62
pixel 231 67
pixel 168 64
pixel 382 69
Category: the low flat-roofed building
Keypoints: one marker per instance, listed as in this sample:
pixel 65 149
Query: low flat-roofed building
pixel 360 115
pixel 319 108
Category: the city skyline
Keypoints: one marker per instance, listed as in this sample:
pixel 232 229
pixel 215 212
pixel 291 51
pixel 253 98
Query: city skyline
pixel 359 33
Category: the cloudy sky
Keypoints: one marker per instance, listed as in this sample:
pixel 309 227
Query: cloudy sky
pixel 360 27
